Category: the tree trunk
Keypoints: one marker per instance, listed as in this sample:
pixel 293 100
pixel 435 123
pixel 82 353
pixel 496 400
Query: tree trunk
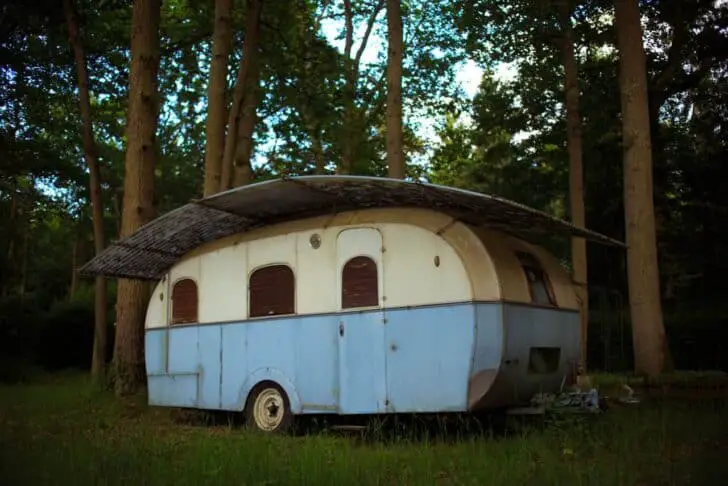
pixel 250 50
pixel 347 145
pixel 216 104
pixel 243 170
pixel 576 170
pixel 75 250
pixel 138 204
pixel 352 120
pixel 648 332
pixel 395 149
pixel 318 154
pixel 98 361
pixel 9 274
pixel 24 263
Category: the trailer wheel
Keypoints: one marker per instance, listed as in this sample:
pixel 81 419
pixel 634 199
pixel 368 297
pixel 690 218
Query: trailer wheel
pixel 269 409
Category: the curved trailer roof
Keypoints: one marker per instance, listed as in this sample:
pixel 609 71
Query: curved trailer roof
pixel 149 252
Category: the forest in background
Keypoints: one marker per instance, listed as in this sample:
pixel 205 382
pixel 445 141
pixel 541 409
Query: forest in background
pixel 305 106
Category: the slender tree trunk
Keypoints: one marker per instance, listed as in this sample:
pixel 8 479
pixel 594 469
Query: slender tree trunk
pixel 250 50
pixel 9 275
pixel 347 144
pixel 395 143
pixel 24 263
pixel 98 361
pixel 216 105
pixel 318 153
pixel 75 250
pixel 648 332
pixel 576 170
pixel 138 204
pixel 243 170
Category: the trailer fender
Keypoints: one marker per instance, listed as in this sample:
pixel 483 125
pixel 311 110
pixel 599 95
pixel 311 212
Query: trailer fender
pixel 276 376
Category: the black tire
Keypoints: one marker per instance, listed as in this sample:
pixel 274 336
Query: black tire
pixel 268 409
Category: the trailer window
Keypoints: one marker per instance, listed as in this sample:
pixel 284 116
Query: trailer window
pixel 184 301
pixel 539 285
pixel 359 283
pixel 272 291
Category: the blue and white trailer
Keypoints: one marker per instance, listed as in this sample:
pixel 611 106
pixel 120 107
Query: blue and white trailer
pixel 351 295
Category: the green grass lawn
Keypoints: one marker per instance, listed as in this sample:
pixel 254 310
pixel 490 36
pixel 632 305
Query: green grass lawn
pixel 63 431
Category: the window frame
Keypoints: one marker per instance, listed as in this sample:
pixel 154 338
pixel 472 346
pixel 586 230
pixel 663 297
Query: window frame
pixel 293 300
pixel 173 320
pixel 529 262
pixel 377 289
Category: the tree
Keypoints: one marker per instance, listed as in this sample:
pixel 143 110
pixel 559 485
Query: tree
pixel 236 169
pixel 576 172
pixel 98 361
pixel 138 207
pixel 648 333
pixel 216 95
pixel 395 142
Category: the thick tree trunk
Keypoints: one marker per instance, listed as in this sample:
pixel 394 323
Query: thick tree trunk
pixel 216 103
pixel 576 170
pixel 395 142
pixel 98 361
pixel 648 332
pixel 243 170
pixel 250 51
pixel 138 208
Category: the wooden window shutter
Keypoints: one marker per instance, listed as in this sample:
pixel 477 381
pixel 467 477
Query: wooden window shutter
pixel 272 291
pixel 359 283
pixel 184 301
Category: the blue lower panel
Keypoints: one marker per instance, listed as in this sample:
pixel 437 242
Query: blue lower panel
pixel 173 390
pixel 428 358
pixel 362 367
pixel 419 360
pixel 210 366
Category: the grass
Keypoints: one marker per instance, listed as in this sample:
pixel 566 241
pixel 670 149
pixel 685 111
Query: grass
pixel 64 431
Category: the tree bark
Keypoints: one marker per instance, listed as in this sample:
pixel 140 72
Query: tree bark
pixel 243 170
pixel 395 142
pixel 75 250
pixel 98 360
pixel 24 263
pixel 352 123
pixel 138 203
pixel 250 50
pixel 576 170
pixel 216 104
pixel 648 332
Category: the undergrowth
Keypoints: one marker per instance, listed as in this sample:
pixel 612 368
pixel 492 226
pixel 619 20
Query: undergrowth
pixel 66 431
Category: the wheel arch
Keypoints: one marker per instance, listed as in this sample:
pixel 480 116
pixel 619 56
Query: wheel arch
pixel 275 376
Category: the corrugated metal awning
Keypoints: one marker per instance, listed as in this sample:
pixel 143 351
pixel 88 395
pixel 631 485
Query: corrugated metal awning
pixel 149 252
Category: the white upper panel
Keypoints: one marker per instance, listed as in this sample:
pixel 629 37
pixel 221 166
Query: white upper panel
pixel 417 266
pixel 425 258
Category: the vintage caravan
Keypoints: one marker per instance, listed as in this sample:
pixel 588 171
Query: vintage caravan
pixel 351 295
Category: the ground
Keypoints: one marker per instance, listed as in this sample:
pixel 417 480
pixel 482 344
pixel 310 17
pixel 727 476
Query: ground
pixel 62 430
